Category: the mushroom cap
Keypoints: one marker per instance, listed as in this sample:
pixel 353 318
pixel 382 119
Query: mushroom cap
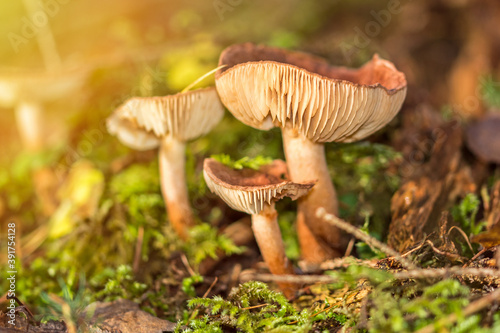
pixel 248 190
pixel 140 122
pixel 483 138
pixel 39 85
pixel 265 87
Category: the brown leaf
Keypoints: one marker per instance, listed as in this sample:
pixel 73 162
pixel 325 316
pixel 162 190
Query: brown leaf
pixel 488 238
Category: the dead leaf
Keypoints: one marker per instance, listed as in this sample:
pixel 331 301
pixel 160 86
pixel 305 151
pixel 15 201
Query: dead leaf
pixel 488 238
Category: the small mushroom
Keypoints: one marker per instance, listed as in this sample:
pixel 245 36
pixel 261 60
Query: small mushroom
pixel 255 192
pixel 483 138
pixel 168 122
pixel 27 92
pixel 313 103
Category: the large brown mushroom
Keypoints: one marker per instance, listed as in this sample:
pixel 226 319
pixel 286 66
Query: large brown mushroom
pixel 313 103
pixel 145 123
pixel 255 192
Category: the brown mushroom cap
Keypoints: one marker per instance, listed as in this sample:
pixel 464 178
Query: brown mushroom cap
pixel 140 122
pixel 265 87
pixel 248 190
pixel 483 138
pixel 39 85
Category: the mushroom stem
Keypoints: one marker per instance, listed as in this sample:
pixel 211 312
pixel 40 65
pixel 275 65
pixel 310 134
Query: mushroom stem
pixel 313 250
pixel 172 157
pixel 28 118
pixel 44 37
pixel 306 162
pixel 268 236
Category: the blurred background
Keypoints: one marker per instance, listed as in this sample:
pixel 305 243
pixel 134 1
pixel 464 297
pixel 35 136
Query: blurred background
pixel 65 65
pixel 154 47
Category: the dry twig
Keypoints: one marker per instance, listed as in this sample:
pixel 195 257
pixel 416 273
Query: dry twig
pixel 195 312
pixel 372 242
pixel 423 273
pixel 445 272
pixel 463 235
pixel 185 261
pixel 346 262
pixel 211 287
pixel 138 249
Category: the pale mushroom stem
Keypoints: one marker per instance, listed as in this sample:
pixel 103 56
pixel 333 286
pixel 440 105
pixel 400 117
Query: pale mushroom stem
pixel 44 37
pixel 306 161
pixel 268 236
pixel 28 118
pixel 172 157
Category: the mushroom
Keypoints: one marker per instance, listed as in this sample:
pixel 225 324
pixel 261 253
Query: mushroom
pixel 483 138
pixel 313 103
pixel 255 192
pixel 28 91
pixel 168 122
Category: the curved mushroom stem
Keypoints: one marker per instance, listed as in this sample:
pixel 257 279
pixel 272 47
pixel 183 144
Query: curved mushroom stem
pixel 29 118
pixel 172 157
pixel 268 236
pixel 306 161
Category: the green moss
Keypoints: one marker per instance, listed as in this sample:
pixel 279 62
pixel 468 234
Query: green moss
pixel 491 91
pixel 465 213
pixel 245 162
pixel 189 283
pixel 251 307
pixel 365 179
pixel 204 242
pixel 118 283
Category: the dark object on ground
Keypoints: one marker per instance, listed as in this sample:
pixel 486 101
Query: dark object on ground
pixel 121 316
pixel 483 138
pixel 23 325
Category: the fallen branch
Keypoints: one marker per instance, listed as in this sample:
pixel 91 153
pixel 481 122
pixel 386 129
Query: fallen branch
pixel 335 263
pixel 445 272
pixel 423 273
pixel 356 232
pixel 346 262
pixel 298 279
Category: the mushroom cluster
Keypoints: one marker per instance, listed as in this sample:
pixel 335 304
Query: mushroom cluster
pixel 311 101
